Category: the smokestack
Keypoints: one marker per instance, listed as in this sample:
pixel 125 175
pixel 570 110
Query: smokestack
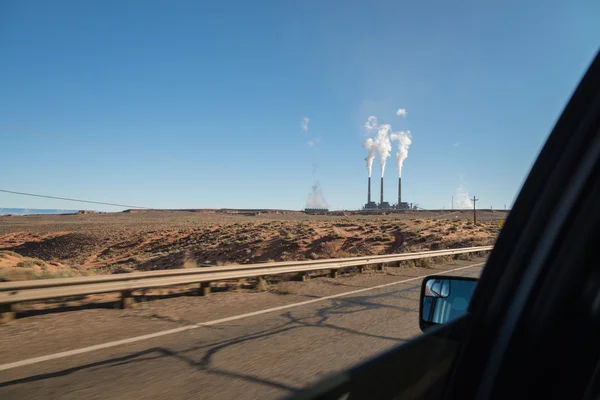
pixel 369 196
pixel 381 190
pixel 399 191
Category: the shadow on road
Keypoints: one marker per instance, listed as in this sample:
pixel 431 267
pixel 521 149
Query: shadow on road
pixel 62 305
pixel 320 319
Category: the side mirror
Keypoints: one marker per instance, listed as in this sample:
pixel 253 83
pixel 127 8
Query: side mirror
pixel 444 298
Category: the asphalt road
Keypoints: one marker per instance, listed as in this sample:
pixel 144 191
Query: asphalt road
pixel 269 354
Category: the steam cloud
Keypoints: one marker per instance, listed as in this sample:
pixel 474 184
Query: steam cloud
pixel 382 143
pixel 371 123
pixel 384 147
pixel 404 141
pixel 304 124
pixel 369 144
pixel 315 198
pixel 401 112
pixel 461 199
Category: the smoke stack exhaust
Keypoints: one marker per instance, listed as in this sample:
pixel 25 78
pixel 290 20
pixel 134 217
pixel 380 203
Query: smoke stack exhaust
pixel 381 190
pixel 399 191
pixel 369 192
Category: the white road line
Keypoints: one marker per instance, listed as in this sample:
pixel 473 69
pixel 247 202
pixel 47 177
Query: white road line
pixel 88 349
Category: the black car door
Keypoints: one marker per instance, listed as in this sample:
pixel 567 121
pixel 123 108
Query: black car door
pixel 478 354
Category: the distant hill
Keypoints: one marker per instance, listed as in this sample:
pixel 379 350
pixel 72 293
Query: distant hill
pixel 29 211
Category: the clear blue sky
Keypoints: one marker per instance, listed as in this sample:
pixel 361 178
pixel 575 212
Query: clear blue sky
pixel 187 104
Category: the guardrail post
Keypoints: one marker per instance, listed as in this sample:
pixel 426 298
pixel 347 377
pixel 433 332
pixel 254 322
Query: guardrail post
pixel 304 277
pixel 362 269
pixel 7 313
pixel 261 284
pixel 334 273
pixel 127 299
pixel 380 267
pixel 204 289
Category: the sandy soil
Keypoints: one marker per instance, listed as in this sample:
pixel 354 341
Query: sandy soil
pixel 46 246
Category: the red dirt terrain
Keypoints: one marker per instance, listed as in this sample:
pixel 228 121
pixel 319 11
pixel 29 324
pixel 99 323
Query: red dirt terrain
pixel 45 246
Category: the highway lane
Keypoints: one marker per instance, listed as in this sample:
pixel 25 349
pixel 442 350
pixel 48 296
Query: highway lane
pixel 266 355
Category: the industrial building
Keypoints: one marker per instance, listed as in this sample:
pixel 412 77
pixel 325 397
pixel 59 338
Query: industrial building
pixel 384 205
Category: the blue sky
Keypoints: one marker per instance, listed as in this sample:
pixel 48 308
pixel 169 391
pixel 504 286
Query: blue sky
pixel 187 104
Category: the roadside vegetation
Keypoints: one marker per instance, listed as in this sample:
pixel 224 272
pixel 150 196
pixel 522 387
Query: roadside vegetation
pixel 64 246
pixel 15 267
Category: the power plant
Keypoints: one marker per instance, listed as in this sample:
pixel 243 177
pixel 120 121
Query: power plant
pixel 384 205
pixel 382 144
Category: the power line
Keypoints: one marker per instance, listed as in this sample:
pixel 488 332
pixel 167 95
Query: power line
pixel 70 199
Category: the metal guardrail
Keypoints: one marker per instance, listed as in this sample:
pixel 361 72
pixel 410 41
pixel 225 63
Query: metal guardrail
pixel 21 291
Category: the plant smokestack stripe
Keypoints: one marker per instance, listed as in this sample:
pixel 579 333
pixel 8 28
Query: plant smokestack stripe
pixel 399 191
pixel 369 191
pixel 381 190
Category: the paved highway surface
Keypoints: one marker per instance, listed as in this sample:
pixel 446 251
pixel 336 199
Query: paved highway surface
pixel 269 353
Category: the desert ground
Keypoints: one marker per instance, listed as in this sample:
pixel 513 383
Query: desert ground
pixel 49 246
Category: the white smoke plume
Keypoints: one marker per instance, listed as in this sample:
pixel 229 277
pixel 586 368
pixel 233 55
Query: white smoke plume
pixel 371 147
pixel 404 141
pixel 401 112
pixel 384 147
pixel 304 124
pixel 315 198
pixel 371 123
pixel 462 199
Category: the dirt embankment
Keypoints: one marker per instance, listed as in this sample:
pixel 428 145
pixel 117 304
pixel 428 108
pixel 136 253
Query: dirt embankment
pixel 47 246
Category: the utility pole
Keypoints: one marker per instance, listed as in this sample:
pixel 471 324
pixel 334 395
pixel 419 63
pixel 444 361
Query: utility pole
pixel 452 203
pixel 474 212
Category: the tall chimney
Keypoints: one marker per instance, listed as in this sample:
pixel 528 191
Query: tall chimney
pixel 399 191
pixel 369 196
pixel 381 190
